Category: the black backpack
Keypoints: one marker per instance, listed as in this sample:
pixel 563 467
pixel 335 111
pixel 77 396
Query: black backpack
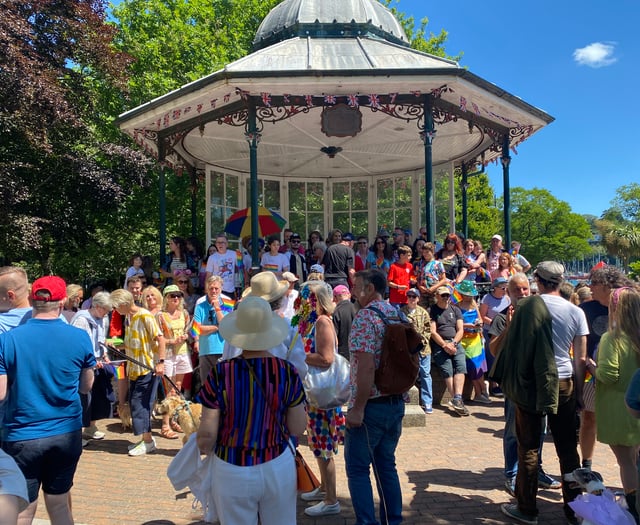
pixel 400 358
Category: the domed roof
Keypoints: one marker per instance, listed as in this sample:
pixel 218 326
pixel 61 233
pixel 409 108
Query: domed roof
pixel 329 18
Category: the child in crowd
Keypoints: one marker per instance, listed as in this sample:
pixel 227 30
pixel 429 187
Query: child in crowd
pixel 135 268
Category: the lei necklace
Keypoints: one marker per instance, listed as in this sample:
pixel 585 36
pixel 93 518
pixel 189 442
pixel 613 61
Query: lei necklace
pixel 306 316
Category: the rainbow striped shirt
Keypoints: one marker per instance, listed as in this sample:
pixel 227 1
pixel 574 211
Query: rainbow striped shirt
pixel 248 434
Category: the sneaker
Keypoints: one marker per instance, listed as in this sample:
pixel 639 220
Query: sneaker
pixel 482 398
pixel 510 487
pixel 496 391
pixel 512 510
pixel 428 409
pixel 547 482
pixel 142 448
pixel 322 509
pixel 92 432
pixel 314 495
pixel 457 404
pixel 85 442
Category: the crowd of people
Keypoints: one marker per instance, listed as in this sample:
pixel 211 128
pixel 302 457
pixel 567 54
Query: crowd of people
pixel 240 341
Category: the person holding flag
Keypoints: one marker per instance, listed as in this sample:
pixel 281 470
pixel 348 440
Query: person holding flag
pixel 208 342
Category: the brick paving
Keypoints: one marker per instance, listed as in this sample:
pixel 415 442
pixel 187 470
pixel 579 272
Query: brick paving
pixel 450 471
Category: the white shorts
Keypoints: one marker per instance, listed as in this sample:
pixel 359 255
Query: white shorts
pixel 177 364
pixel 13 482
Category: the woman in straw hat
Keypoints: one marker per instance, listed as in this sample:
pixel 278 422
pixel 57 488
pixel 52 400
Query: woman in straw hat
pixel 252 404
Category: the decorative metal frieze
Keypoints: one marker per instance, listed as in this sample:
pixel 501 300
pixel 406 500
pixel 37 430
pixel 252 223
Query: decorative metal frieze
pixel 238 118
pixel 276 114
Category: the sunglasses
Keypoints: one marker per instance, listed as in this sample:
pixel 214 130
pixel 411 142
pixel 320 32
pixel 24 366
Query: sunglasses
pixel 445 295
pixel 449 241
pixel 365 242
pixel 183 282
pixel 175 295
pixel 295 241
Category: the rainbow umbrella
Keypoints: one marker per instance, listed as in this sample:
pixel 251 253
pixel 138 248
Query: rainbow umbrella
pixel 269 222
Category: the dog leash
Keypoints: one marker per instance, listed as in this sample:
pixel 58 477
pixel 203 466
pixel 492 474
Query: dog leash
pixel 121 354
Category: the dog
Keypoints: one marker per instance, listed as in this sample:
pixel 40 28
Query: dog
pixel 185 413
pixel 124 413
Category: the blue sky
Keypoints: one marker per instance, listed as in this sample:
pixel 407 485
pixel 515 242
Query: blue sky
pixel 579 62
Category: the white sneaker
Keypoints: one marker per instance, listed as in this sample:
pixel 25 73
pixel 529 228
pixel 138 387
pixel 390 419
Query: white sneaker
pixel 314 495
pixel 322 509
pixel 92 432
pixel 142 448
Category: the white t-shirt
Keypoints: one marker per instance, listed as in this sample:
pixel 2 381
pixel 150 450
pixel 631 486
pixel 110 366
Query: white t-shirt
pixel 567 322
pixel 275 263
pixel 224 265
pixel 286 309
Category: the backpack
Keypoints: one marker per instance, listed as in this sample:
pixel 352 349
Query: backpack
pixel 400 357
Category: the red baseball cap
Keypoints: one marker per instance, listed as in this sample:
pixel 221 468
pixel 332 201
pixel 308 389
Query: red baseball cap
pixel 53 284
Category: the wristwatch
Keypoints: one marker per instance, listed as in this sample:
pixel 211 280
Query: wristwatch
pixel 160 361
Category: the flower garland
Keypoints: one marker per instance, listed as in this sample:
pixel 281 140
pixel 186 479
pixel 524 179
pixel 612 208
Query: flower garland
pixel 306 316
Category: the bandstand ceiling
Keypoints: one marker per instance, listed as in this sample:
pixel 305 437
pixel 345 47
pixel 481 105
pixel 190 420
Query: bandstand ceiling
pixel 299 68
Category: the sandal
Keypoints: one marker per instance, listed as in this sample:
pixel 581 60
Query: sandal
pixel 167 433
pixel 176 427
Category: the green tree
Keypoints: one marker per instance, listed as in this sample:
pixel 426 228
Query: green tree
pixel 546 227
pixel 56 175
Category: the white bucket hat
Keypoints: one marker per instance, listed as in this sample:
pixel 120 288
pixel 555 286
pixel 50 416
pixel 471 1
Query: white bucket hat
pixel 266 286
pixel 253 326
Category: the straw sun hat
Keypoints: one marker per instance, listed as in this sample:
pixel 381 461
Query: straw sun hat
pixel 253 326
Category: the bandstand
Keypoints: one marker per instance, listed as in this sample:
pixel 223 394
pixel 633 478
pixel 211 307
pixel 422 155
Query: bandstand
pixel 334 122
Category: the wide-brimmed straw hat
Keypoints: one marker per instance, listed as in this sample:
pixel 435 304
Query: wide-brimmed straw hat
pixel 253 326
pixel 266 286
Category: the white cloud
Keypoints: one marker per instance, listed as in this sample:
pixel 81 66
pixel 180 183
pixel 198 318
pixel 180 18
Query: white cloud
pixel 598 54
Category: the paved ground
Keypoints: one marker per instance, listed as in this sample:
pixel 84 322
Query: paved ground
pixel 450 470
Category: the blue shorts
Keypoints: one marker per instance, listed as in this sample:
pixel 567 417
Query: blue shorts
pixel 49 462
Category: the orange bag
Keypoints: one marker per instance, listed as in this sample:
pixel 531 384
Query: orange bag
pixel 307 480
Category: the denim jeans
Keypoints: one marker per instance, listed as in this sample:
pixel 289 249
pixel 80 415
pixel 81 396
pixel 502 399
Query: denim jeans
pixel 374 443
pixel 563 430
pixel 510 441
pixel 142 396
pixel 426 392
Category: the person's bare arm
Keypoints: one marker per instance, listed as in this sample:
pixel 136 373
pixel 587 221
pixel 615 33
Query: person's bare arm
pixel 296 421
pixel 208 432
pixel 366 374
pixel 86 380
pixel 580 365
pixel 325 344
pixel 3 388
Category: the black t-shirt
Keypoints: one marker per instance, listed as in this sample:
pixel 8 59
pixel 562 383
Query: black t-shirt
pixel 445 321
pixel 342 319
pixel 598 321
pixel 338 260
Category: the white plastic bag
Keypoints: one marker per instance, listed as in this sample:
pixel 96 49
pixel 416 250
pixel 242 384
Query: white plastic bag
pixel 328 387
pixel 189 469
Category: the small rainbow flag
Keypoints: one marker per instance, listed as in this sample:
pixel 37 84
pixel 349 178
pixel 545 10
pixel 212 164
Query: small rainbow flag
pixel 482 272
pixel 195 329
pixel 227 304
pixel 117 368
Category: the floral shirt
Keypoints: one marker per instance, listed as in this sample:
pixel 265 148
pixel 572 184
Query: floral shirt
pixel 367 332
pixel 428 273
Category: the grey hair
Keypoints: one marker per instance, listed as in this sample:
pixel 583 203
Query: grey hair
pixel 102 299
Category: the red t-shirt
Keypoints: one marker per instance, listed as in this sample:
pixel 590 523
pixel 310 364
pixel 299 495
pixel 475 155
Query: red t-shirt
pixel 399 274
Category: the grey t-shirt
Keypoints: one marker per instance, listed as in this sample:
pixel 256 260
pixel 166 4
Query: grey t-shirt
pixel 567 322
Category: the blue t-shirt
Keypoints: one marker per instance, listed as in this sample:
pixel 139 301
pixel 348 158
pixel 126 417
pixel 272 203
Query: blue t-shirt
pixel 14 317
pixel 43 361
pixel 211 344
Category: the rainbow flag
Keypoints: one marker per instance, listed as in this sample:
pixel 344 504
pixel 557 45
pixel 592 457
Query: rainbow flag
pixel 195 329
pixel 456 296
pixel 117 368
pixel 227 304
pixel 482 272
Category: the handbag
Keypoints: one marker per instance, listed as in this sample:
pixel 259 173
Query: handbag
pixel 329 387
pixel 306 479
